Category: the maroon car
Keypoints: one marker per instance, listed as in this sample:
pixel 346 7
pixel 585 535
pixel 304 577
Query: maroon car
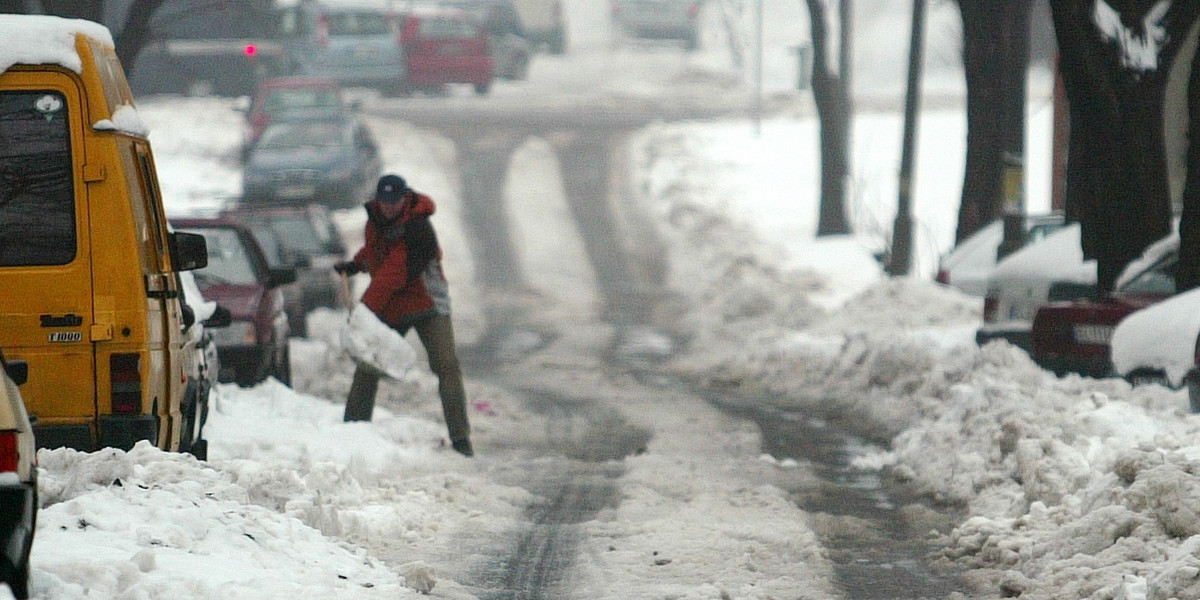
pixel 1073 336
pixel 238 277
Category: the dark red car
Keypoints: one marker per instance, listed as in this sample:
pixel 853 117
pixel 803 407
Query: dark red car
pixel 288 94
pixel 238 277
pixel 444 46
pixel 1073 336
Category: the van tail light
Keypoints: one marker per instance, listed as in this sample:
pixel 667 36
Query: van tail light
pixel 10 455
pixel 990 306
pixel 616 8
pixel 943 277
pixel 125 373
pixel 693 11
pixel 323 31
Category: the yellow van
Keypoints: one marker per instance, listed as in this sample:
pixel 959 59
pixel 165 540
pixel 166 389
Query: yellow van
pixel 88 292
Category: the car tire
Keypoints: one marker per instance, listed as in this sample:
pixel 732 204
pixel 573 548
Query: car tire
pixel 283 370
pixel 481 89
pixel 1192 381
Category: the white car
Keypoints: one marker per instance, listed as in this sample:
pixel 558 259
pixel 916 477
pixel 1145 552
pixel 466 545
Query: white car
pixel 18 480
pixel 1158 344
pixel 968 265
pixel 1050 270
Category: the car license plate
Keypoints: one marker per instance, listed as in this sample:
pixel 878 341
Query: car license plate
pixel 1093 334
pixel 295 191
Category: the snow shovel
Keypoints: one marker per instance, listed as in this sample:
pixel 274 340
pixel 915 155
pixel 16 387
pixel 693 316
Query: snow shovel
pixel 377 351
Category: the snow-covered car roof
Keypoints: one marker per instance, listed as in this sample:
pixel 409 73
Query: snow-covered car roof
pixel 1057 258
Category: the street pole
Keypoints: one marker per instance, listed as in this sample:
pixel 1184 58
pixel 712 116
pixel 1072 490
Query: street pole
pixel 758 69
pixel 902 230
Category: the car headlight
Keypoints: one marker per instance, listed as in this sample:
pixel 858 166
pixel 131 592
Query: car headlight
pixel 239 333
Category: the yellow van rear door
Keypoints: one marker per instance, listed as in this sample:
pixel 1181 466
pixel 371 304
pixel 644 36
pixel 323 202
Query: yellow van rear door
pixel 46 311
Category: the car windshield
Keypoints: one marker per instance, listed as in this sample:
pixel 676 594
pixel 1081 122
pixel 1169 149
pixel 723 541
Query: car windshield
pixel 295 99
pixel 1157 280
pixel 357 23
pixel 228 259
pixel 315 134
pixel 448 29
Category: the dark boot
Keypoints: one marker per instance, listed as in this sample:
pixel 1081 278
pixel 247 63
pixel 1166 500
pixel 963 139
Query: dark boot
pixel 360 402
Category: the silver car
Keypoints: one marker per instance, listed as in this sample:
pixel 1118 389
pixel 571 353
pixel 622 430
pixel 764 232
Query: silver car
pixel 659 19
pixel 357 46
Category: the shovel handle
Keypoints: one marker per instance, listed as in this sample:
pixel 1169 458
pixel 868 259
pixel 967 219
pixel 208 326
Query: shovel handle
pixel 347 300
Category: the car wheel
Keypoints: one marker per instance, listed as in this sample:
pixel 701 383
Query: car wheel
pixel 19 584
pixel 481 89
pixel 1193 387
pixel 283 370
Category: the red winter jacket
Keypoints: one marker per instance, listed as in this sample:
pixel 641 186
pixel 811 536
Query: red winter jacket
pixel 403 258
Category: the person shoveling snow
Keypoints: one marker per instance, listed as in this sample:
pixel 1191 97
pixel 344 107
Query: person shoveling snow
pixel 408 290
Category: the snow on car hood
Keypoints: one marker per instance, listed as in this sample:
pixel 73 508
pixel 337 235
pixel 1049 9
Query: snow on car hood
pixel 1161 336
pixel 1058 258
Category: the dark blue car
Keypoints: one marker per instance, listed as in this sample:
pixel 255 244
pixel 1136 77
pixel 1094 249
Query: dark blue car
pixel 328 158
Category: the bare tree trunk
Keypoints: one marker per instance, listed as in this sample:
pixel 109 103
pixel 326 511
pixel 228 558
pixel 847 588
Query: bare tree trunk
pixel 995 59
pixel 1117 178
pixel 136 31
pixel 833 111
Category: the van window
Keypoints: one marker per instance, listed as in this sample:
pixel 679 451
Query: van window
pixel 37 182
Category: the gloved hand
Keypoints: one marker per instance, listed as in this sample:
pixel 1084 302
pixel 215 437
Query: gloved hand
pixel 346 268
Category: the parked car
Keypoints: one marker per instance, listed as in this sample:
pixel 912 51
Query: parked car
pixel 87 270
pixel 255 344
pixel 1050 270
pixel 306 239
pixel 446 46
pixel 280 95
pixel 356 45
pixel 303 158
pixel 201 47
pixel 510 49
pixel 18 480
pixel 659 20
pixel 544 23
pixel 1161 344
pixel 1074 336
pixel 202 363
pixel 967 266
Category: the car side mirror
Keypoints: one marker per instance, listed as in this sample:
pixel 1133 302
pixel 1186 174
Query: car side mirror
pixel 18 371
pixel 189 251
pixel 221 317
pixel 280 277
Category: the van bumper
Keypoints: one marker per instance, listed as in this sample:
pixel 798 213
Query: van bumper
pixel 115 432
pixel 1018 334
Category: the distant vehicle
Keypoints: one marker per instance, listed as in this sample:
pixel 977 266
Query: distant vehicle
pixel 202 47
pixel 255 344
pixel 202 363
pixel 544 23
pixel 301 158
pixel 281 95
pixel 18 480
pixel 307 240
pixel 1074 336
pixel 511 50
pixel 1050 270
pixel 446 46
pixel 356 45
pixel 659 20
pixel 1161 344
pixel 969 263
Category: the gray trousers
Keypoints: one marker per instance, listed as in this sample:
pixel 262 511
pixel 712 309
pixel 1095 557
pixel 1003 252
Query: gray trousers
pixel 437 335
